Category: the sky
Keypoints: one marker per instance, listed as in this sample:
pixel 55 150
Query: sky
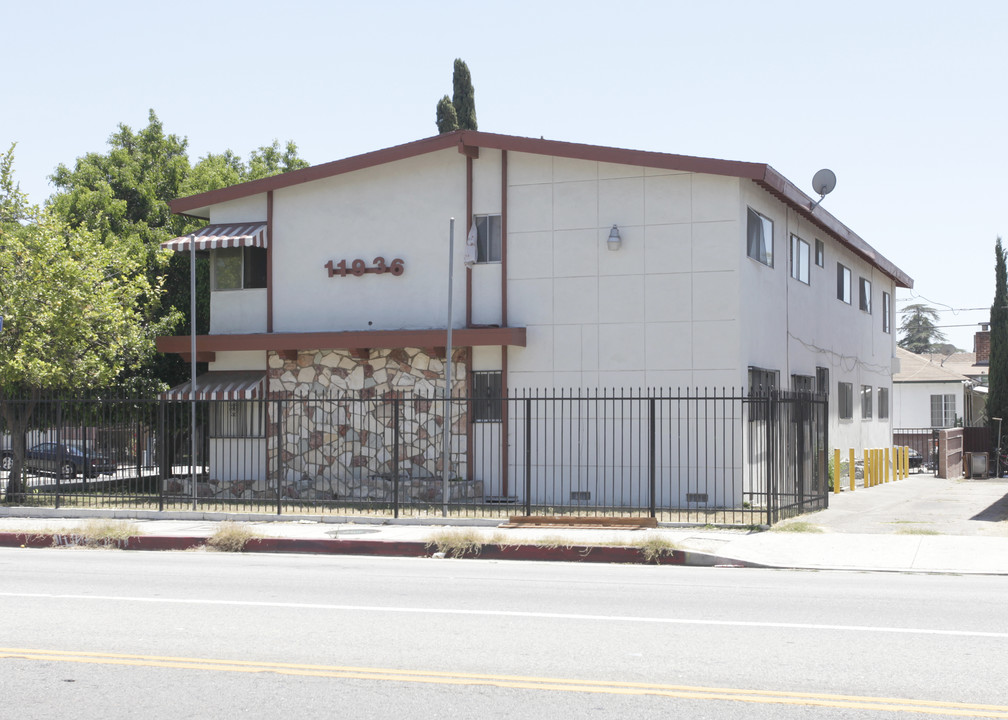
pixel 905 101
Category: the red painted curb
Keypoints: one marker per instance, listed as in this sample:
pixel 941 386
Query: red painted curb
pixel 381 548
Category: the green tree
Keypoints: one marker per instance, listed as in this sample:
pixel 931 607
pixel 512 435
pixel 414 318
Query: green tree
pixel 124 195
pixel 918 328
pixel 997 399
pixel 447 120
pixel 72 305
pixel 463 96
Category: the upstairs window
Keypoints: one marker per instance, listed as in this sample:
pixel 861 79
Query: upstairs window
pixel 886 313
pixel 488 238
pixel 883 403
pixel 843 283
pixel 864 295
pixel 822 380
pixel 866 402
pixel 238 268
pixel 820 253
pixel 759 238
pixel 845 400
pixel 799 259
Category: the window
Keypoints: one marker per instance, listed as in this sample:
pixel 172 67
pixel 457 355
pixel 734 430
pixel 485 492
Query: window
pixel 942 411
pixel 886 317
pixel 761 380
pixel 488 238
pixel 843 283
pixel 845 400
pixel 883 403
pixel 822 380
pixel 866 402
pixel 820 253
pixel 759 238
pixel 802 383
pixel 238 268
pixel 864 295
pixel 799 259
pixel 487 392
pixel 234 419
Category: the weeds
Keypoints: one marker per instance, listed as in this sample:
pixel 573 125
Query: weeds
pixel 654 547
pixel 798 526
pixel 456 542
pixel 97 533
pixel 917 531
pixel 231 537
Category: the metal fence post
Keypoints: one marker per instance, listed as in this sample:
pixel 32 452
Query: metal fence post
pixel 279 443
pixel 651 453
pixel 528 456
pixel 395 456
pixel 59 448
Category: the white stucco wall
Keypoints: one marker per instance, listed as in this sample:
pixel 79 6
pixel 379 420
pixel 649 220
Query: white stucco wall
pixel 794 328
pixel 242 210
pixel 397 210
pixel 912 402
pixel 238 311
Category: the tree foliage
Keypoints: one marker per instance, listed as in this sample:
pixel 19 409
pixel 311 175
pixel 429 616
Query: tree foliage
pixel 458 113
pixel 123 196
pixel 447 119
pixel 463 96
pixel 918 328
pixel 72 304
pixel 997 399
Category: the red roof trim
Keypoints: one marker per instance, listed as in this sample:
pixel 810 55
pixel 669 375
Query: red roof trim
pixel 346 340
pixel 468 140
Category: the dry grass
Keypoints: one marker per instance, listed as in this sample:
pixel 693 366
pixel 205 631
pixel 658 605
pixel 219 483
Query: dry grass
pixel 231 537
pixel 96 533
pixel 917 531
pixel 796 526
pixel 456 542
pixel 654 547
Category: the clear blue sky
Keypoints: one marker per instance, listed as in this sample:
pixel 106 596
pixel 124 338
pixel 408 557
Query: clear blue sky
pixel 905 101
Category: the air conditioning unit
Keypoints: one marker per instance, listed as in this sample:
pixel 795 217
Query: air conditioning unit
pixel 976 465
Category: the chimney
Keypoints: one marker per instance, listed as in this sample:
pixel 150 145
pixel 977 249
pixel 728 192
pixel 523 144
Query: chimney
pixel 981 344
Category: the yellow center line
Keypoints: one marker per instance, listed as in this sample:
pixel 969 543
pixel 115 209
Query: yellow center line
pixel 933 707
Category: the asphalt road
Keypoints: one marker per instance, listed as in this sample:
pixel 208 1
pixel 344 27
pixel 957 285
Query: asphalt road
pixel 105 634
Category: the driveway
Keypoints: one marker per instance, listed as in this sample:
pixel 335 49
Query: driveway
pixel 921 504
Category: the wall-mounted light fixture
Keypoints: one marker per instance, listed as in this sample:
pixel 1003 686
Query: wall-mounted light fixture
pixel 615 241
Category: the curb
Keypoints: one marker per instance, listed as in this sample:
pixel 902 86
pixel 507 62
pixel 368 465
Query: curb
pixel 382 548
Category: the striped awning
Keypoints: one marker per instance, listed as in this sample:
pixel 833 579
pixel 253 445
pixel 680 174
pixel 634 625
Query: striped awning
pixel 222 235
pixel 222 385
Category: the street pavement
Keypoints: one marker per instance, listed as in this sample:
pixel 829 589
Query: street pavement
pixel 920 524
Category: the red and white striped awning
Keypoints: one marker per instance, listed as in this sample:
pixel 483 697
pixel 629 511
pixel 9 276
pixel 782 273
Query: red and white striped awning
pixel 222 235
pixel 222 385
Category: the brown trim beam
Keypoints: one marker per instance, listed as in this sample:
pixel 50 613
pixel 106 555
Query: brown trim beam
pixel 465 231
pixel 347 340
pixel 201 357
pixel 269 261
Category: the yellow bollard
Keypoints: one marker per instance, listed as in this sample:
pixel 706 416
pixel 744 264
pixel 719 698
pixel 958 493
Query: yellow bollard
pixel 836 471
pixel 887 465
pixel 906 462
pixel 850 469
pixel 866 482
pixel 874 468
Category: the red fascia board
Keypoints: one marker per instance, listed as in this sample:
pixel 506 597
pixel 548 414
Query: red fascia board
pixel 317 172
pixel 784 189
pixel 346 340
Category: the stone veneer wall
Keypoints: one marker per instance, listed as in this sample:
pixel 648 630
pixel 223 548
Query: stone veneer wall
pixel 337 425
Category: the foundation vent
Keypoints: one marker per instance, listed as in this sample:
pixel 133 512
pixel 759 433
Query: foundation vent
pixel 580 495
pixel 696 498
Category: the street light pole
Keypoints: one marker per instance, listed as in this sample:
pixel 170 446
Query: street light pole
pixel 446 450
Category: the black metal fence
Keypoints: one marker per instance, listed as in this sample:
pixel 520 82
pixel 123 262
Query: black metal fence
pixel 691 456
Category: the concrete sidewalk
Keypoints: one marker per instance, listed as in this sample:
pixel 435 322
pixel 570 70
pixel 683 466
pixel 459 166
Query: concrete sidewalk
pixel 922 524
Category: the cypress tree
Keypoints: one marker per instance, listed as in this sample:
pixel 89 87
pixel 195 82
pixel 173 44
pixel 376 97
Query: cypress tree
pixel 447 120
pixel 997 399
pixel 464 97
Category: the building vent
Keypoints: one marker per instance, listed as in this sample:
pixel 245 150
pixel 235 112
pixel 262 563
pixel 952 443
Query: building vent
pixel 580 495
pixel 696 498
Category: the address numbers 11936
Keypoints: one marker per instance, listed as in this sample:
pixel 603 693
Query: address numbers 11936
pixel 359 267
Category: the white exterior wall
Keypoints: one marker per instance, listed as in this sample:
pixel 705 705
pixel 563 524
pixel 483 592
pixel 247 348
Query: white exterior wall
pixel 794 328
pixel 912 402
pixel 660 311
pixel 486 277
pixel 397 210
pixel 237 311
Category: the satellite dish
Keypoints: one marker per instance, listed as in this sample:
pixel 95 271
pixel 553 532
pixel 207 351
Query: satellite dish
pixel 823 183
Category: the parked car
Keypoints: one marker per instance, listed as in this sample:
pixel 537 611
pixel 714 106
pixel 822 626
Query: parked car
pixel 916 461
pixel 6 460
pixel 48 457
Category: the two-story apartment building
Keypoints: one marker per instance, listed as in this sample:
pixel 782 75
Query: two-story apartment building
pixel 596 268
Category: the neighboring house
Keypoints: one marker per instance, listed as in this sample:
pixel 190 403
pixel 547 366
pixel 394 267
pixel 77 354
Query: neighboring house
pixel 926 394
pixel 596 268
